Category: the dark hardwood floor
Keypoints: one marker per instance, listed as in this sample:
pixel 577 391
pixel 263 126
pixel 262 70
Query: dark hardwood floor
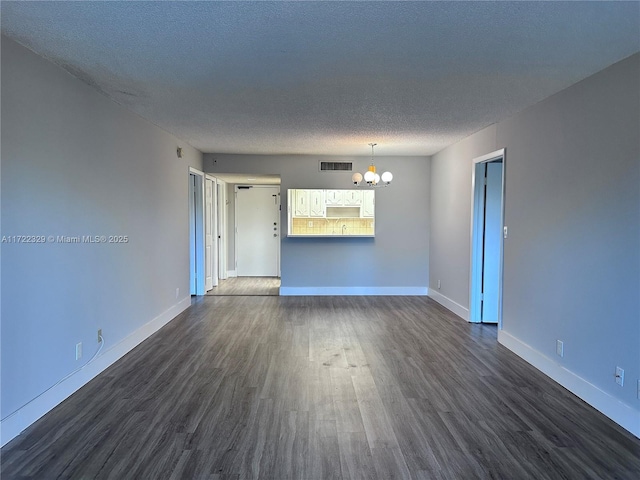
pixel 322 388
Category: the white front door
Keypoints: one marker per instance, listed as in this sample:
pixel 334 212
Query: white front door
pixel 258 231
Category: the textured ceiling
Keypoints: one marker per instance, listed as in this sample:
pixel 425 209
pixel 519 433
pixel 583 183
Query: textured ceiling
pixel 326 77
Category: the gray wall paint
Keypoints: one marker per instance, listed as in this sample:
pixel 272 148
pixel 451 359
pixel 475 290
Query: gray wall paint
pixel 75 163
pixel 571 262
pixel 396 257
pixel 451 215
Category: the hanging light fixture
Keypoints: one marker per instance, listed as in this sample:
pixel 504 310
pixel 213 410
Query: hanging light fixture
pixel 371 178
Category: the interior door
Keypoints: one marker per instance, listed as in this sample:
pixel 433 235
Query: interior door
pixel 193 234
pixel 487 207
pixel 491 242
pixel 221 202
pixel 210 243
pixel 196 232
pixel 257 231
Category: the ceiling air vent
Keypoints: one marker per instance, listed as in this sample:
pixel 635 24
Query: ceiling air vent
pixel 336 166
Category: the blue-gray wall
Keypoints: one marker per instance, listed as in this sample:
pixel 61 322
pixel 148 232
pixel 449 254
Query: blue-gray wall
pixel 75 163
pixel 396 260
pixel 571 262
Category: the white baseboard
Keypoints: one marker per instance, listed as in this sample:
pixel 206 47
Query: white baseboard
pixel 349 291
pixel 232 273
pixel 621 413
pixel 449 304
pixel 14 424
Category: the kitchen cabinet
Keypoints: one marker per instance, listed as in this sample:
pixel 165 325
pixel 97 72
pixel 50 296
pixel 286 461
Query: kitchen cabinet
pixel 317 203
pixel 301 203
pixel 334 198
pixel 352 198
pixel 368 203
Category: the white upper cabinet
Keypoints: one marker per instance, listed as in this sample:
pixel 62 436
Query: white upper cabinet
pixel 332 203
pixel 352 198
pixel 316 203
pixel 301 205
pixel 368 203
pixel 334 197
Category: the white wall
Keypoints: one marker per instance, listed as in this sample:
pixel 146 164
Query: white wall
pixel 572 261
pixel 396 261
pixel 75 163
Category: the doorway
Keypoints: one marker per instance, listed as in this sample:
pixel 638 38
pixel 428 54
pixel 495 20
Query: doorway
pixel 196 233
pixel 487 229
pixel 222 202
pixel 211 233
pixel 257 230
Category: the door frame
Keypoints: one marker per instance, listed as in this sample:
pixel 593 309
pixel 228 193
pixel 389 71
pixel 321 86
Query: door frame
pixel 211 217
pixel 477 209
pixel 223 230
pixel 235 226
pixel 196 233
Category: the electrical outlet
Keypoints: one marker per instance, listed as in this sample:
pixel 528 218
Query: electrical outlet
pixel 438 284
pixel 99 335
pixel 310 224
pixel 620 376
pixel 78 351
pixel 560 348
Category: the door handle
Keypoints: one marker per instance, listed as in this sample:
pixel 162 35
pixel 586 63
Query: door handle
pixel 275 234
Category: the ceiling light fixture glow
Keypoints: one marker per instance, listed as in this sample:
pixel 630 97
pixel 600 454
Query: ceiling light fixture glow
pixel 371 178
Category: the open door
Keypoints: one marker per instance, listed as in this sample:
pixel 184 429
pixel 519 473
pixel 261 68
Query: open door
pixel 486 238
pixel 222 204
pixel 211 236
pixel 196 232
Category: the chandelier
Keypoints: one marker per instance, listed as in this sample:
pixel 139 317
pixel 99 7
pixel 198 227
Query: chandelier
pixel 371 178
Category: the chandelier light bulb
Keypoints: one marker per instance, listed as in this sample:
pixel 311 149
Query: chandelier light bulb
pixel 387 177
pixel 356 178
pixel 369 176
